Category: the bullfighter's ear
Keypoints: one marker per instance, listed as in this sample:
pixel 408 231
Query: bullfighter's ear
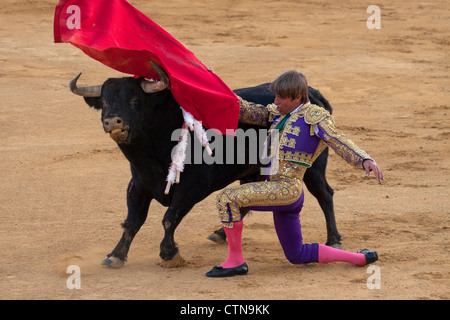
pixel 94 102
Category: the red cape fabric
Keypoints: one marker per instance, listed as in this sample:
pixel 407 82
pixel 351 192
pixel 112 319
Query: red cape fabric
pixel 118 35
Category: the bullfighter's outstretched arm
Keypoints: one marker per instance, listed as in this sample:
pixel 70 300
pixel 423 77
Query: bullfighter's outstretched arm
pixel 323 126
pixel 257 114
pixel 347 149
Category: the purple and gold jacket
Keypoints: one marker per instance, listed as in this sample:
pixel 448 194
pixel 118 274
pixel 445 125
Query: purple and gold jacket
pixel 306 133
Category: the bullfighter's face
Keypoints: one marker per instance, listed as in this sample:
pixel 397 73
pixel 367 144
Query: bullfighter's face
pixel 286 105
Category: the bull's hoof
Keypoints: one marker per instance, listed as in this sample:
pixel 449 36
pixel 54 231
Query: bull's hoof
pixel 113 262
pixel 336 245
pixel 176 262
pixel 217 238
pixel 335 242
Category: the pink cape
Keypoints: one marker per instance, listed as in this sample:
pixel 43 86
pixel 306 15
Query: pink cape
pixel 118 35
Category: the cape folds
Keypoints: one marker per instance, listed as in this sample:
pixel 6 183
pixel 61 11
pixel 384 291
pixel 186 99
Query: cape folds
pixel 121 37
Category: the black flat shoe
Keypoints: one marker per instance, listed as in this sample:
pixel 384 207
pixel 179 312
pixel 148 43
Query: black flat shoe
pixel 371 256
pixel 220 272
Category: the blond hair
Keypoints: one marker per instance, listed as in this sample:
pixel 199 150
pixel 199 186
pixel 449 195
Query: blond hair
pixel 291 84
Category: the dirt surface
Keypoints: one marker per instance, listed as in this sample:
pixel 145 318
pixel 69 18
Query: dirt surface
pixel 63 180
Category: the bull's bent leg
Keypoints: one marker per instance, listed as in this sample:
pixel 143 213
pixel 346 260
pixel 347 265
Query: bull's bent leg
pixel 318 186
pixel 169 251
pixel 138 204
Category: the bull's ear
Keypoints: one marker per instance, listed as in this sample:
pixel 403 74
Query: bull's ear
pixel 94 102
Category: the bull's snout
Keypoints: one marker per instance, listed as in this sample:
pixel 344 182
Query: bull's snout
pixel 116 128
pixel 111 124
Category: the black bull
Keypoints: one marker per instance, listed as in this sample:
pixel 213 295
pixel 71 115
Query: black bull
pixel 141 117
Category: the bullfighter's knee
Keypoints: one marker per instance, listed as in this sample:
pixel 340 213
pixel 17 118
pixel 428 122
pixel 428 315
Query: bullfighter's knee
pixel 227 207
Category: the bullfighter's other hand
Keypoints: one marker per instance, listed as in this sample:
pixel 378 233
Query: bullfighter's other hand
pixel 370 165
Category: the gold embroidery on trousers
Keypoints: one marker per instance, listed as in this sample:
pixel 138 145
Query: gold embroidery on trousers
pixel 284 188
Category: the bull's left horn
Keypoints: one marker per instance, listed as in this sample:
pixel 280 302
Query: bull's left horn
pixel 156 86
pixel 92 91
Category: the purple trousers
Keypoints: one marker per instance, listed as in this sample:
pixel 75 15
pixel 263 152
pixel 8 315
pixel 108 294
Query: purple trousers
pixel 289 232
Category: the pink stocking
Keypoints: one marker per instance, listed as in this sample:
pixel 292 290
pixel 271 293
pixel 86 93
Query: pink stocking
pixel 234 236
pixel 328 254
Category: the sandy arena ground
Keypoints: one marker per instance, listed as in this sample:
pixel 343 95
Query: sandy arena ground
pixel 63 181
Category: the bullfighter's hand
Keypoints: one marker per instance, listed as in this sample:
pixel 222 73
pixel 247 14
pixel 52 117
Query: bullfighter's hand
pixel 370 165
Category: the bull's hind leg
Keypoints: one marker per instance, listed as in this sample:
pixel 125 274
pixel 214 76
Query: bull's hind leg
pixel 219 235
pixel 138 204
pixel 318 186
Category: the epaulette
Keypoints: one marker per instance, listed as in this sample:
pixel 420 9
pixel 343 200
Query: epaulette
pixel 273 108
pixel 273 111
pixel 314 114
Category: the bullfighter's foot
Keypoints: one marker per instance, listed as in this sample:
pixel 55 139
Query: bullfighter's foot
pixel 219 272
pixel 113 262
pixel 371 256
pixel 176 262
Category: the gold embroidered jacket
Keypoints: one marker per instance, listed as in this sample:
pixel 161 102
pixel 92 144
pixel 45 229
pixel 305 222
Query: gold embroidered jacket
pixel 306 133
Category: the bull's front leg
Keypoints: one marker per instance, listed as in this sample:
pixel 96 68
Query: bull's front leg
pixel 170 253
pixel 138 204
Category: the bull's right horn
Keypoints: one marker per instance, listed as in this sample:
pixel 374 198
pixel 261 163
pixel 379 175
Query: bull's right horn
pixel 92 91
pixel 156 86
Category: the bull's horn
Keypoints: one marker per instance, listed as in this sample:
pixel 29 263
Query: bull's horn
pixel 93 91
pixel 156 86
